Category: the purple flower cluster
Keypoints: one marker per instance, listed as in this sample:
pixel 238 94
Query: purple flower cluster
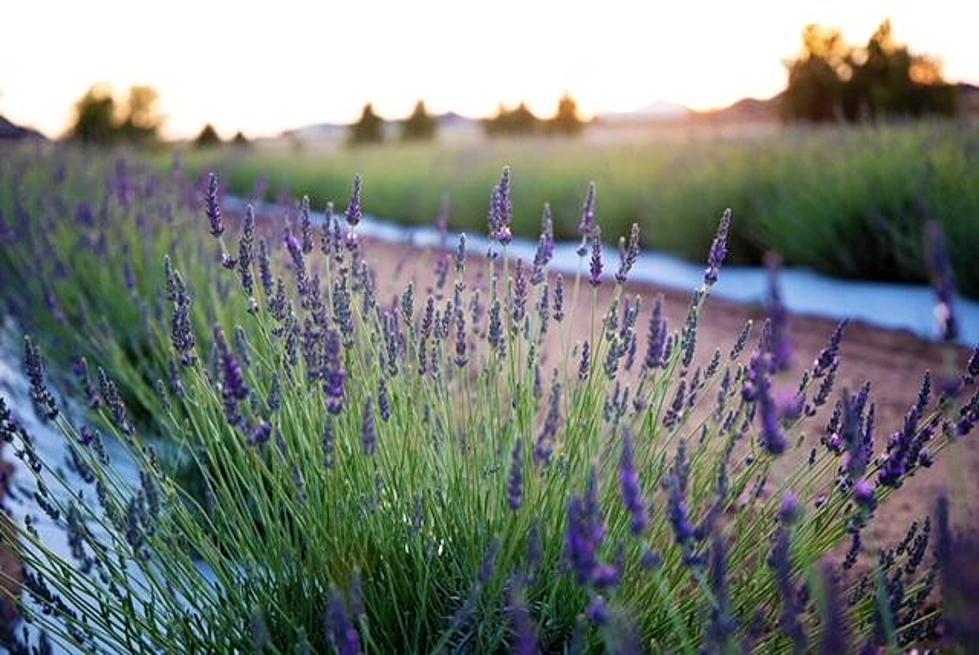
pixel 234 389
pixel 212 207
pixel 501 210
pixel 335 375
pixel 718 249
pixel 589 219
pixel 44 404
pixel 584 537
pixel 632 494
pixel 628 254
pixel 515 480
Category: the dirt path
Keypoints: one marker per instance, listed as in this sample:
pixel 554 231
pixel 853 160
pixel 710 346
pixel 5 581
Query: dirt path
pixel 894 361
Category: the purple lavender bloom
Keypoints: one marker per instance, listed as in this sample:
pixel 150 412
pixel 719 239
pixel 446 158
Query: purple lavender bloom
pixel 629 254
pixel 632 494
pixel 501 210
pixel 835 638
pixel 354 208
pixel 580 543
pixel 265 268
pixel 369 429
pixel 524 631
pixel 260 434
pixel 295 251
pixel 545 247
pixel 828 357
pixel 42 399
pixel 781 563
pixel 233 386
pixel 245 251
pixel 589 218
pixel 656 340
pixel 305 226
pixel 544 449
pixel 718 249
pixel 598 612
pixel 789 510
pixel 181 333
pixel 335 376
pixel 943 279
pixel 519 294
pixel 585 364
pixel 676 484
pixel 772 436
pixel 863 494
pixel 461 254
pixel 515 481
pixel 559 301
pixel 722 625
pixel 212 206
pixel 342 633
pixel 595 267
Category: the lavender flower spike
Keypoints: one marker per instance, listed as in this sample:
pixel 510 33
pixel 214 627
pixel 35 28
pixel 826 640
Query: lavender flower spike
pixel 44 403
pixel 629 255
pixel 631 491
pixel 212 206
pixel 354 208
pixel 369 429
pixel 718 249
pixel 589 217
pixel 595 268
pixel 501 210
pixel 343 635
pixel 515 481
pixel 943 280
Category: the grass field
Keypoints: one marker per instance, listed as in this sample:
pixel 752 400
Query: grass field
pixel 849 202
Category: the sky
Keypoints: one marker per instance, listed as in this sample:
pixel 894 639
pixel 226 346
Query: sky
pixel 262 67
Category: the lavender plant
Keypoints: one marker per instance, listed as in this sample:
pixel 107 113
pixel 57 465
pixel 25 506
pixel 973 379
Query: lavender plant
pixel 488 469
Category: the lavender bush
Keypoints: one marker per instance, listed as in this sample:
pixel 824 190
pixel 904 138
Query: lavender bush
pixel 477 465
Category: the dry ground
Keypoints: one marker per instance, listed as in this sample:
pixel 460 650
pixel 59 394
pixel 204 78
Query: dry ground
pixel 894 361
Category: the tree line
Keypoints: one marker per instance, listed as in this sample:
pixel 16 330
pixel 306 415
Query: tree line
pixel 828 81
pixel 421 125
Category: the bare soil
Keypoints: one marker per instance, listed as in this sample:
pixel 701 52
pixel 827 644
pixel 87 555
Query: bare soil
pixel 894 361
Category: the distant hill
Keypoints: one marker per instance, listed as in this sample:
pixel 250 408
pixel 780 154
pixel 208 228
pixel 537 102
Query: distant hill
pixel 12 132
pixel 746 110
pixel 659 111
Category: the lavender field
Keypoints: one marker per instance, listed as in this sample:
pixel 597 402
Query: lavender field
pixel 239 431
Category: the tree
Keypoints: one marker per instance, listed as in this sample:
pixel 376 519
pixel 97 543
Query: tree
pixel 420 126
pixel 566 121
pixel 99 120
pixel 369 129
pixel 509 122
pixel 94 120
pixel 814 89
pixel 831 80
pixel 240 140
pixel 142 120
pixel 207 138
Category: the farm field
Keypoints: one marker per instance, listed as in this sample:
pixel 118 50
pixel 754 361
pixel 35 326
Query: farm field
pixel 845 201
pixel 344 445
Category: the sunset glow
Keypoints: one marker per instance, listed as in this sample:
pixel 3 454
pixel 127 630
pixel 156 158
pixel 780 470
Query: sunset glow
pixel 264 67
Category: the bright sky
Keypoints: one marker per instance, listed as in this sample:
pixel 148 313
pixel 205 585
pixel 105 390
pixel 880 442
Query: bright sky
pixel 267 66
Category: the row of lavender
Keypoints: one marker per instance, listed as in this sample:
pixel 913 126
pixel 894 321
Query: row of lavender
pixel 492 458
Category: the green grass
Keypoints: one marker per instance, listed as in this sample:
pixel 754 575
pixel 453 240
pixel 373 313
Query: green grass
pixel 849 202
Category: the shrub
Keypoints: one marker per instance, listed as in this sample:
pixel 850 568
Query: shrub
pixel 447 471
